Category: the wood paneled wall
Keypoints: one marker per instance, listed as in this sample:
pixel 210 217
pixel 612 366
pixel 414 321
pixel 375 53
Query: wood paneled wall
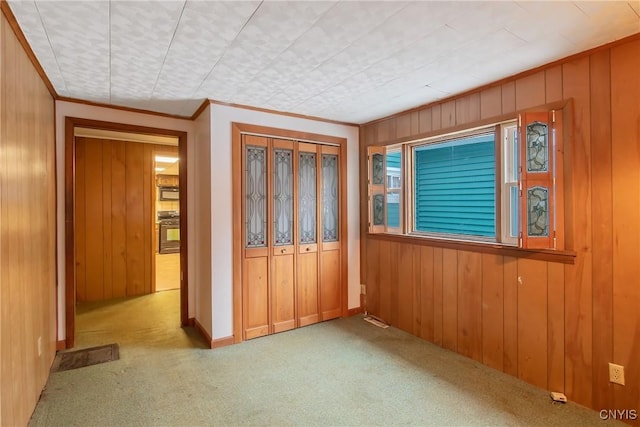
pixel 114 208
pixel 556 326
pixel 27 232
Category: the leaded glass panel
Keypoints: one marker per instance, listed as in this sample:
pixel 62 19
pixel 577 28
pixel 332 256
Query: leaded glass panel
pixel 537 147
pixel 307 198
pixel 538 210
pixel 330 197
pixel 378 209
pixel 255 196
pixel 377 169
pixel 282 197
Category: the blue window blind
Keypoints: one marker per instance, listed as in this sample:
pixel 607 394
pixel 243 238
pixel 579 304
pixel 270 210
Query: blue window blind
pixel 455 187
pixel 393 198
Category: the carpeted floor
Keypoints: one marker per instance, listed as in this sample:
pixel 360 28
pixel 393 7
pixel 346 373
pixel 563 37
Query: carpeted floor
pixel 342 372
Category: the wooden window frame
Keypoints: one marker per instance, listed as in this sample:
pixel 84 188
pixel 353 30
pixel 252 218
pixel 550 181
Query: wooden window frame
pixel 553 252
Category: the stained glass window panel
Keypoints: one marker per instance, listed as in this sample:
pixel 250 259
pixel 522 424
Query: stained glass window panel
pixel 537 147
pixel 330 197
pixel 255 197
pixel 282 197
pixel 377 169
pixel 538 211
pixel 378 209
pixel 307 215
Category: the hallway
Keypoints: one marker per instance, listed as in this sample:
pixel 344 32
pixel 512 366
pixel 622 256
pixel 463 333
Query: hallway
pixel 146 321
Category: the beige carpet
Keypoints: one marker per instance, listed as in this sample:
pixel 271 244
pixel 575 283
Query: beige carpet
pixel 342 372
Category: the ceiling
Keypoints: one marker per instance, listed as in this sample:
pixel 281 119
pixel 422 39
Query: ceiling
pixel 352 61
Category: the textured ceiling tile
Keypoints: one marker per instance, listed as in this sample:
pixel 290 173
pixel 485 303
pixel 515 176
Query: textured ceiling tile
pixel 26 13
pixel 351 61
pixel 78 33
pixel 492 45
pixel 203 35
pixel 272 29
pixel 141 32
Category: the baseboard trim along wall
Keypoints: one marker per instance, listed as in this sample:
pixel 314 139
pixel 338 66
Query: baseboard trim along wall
pixel 354 311
pixel 203 332
pixel 61 345
pixel 222 342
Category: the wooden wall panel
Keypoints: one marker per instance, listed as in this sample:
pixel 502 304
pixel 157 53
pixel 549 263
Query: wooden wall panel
pixel 450 299
pixel 492 311
pixel 530 91
pixel 114 218
pixel 416 297
pixel 468 109
pixel 94 233
pixel 578 277
pixel 118 219
pixel 448 117
pixel 436 115
pixel 532 321
pixel 470 304
pixel 560 328
pixel 415 123
pixel 437 295
pixel 403 126
pixel 625 142
pixel 553 84
pixel 509 97
pixel 107 258
pixel 135 219
pixel 425 118
pixel 27 232
pixel 393 292
pixel 372 297
pixel 405 297
pixel 491 102
pixel 601 208
pixel 384 310
pixel 555 327
pixel 426 293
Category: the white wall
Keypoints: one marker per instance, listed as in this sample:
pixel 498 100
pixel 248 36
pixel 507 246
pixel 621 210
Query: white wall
pixel 221 202
pixel 209 179
pixel 72 109
pixel 202 217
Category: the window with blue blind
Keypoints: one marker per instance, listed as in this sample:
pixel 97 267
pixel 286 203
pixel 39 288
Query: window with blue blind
pixel 454 187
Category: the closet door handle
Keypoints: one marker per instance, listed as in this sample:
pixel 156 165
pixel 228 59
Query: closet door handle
pixel 307 249
pixel 283 251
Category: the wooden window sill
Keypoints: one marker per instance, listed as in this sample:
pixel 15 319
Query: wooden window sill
pixel 551 255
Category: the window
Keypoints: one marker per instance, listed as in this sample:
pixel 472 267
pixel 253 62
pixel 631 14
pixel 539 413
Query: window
pixel 495 184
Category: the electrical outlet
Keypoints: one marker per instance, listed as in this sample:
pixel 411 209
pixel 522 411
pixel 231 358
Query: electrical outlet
pixel 39 346
pixel 616 373
pixel 363 289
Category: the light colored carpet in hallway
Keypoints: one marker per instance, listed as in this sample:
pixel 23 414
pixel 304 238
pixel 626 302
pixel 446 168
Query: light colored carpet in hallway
pixel 342 372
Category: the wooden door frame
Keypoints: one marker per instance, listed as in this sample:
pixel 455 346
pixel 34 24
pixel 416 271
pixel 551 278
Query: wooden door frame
pixel 237 129
pixel 69 181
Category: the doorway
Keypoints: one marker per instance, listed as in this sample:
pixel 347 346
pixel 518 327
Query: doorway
pixel 128 246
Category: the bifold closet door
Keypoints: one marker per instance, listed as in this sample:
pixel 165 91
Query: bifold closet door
pixel 308 208
pixel 282 237
pixel 330 274
pixel 255 264
pixel 291 267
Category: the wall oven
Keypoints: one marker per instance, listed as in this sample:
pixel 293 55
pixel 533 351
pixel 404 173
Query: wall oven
pixel 169 232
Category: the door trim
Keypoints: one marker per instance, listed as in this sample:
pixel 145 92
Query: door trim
pixel 69 183
pixel 237 129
